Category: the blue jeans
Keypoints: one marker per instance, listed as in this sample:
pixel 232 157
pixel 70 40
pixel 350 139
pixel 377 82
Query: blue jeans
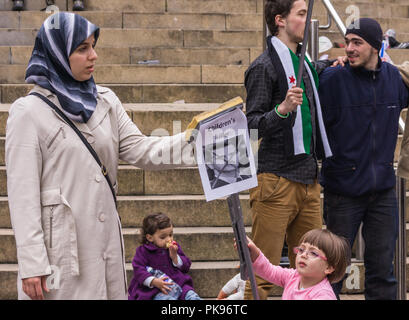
pixel 174 295
pixel 192 295
pixel 379 214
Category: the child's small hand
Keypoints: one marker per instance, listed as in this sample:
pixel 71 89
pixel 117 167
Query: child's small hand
pixel 254 250
pixel 162 284
pixel 173 251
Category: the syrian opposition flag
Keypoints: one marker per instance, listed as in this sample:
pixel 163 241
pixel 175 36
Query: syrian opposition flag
pixel 302 129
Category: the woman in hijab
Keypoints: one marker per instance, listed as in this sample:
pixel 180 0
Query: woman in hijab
pixel 63 212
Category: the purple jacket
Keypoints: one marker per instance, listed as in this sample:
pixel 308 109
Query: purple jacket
pixel 157 258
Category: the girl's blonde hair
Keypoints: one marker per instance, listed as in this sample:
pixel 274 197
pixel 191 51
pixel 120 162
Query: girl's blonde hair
pixel 335 248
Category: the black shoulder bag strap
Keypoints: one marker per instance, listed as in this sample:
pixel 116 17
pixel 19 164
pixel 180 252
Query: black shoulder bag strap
pixel 77 131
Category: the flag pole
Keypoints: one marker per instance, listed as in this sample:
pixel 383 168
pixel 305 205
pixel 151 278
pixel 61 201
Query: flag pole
pixel 305 42
pixel 246 267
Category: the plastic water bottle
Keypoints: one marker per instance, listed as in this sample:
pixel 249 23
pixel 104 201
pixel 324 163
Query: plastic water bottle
pixel 176 290
pixel 158 274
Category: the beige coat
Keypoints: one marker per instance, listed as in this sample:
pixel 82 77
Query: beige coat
pixel 62 210
pixel 403 164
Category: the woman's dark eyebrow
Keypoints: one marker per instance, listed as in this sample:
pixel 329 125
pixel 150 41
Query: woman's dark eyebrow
pixel 88 43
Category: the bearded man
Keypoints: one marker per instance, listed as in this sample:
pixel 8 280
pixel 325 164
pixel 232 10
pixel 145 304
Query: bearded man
pixel 361 105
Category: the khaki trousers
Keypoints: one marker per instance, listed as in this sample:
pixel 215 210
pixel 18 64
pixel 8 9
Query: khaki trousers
pixel 281 210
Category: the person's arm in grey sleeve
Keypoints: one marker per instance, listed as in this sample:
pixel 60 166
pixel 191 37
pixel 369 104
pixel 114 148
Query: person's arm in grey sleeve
pixel 321 65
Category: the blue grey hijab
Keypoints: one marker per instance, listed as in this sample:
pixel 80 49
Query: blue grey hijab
pixel 49 65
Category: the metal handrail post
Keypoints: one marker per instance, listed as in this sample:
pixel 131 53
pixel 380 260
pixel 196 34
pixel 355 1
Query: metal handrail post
pixel 360 246
pixel 401 252
pixel 333 12
pixel 329 23
pixel 401 245
pixel 313 47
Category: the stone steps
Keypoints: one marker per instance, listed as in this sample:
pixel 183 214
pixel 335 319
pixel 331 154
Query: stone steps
pixel 388 16
pixel 156 74
pixel 149 6
pixel 149 93
pixel 134 181
pixel 120 5
pixel 183 210
pixel 135 20
pixel 211 83
pixel 174 38
pixel 169 118
pixel 142 74
pixel 217 259
pixel 147 117
pixel 202 273
pixel 20 55
pixel 198 243
pixel 208 6
pixel 150 38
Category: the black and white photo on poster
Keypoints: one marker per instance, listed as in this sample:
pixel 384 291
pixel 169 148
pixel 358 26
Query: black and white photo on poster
pixel 225 159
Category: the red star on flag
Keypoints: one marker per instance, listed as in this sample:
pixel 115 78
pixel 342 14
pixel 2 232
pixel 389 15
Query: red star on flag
pixel 292 80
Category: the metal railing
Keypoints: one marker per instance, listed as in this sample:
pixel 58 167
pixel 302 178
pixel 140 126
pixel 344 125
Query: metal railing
pixel 401 252
pixel 333 14
pixel 401 246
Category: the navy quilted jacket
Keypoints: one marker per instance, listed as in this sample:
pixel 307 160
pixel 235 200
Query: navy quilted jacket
pixel 361 111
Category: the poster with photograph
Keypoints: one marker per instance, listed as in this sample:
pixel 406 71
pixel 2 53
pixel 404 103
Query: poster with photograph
pixel 225 159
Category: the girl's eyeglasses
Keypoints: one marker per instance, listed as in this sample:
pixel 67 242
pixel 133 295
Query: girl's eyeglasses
pixel 310 253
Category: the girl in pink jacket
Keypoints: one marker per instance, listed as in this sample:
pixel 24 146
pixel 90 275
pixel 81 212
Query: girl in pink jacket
pixel 322 258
